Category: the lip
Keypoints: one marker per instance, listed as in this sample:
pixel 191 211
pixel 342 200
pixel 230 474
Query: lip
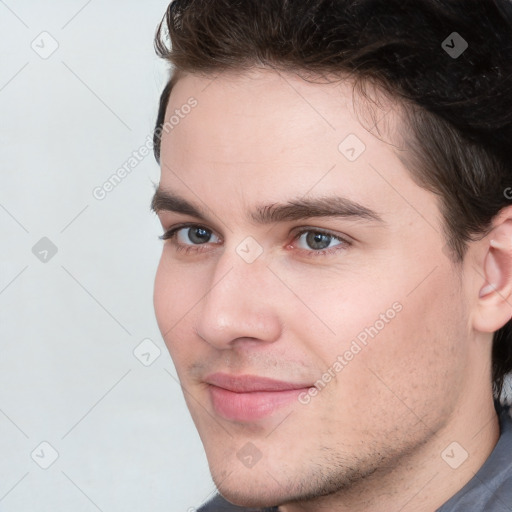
pixel 248 398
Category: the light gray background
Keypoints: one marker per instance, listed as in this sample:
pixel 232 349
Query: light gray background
pixel 69 325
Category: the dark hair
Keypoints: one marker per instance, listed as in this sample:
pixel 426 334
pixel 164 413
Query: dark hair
pixel 457 107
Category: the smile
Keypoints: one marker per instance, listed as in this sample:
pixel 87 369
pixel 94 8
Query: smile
pixel 250 398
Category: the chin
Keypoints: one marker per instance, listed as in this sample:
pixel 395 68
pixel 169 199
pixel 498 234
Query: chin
pixel 261 499
pixel 251 491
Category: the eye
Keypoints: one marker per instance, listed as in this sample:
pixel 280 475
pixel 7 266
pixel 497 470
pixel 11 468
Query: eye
pixel 189 238
pixel 320 242
pixel 184 234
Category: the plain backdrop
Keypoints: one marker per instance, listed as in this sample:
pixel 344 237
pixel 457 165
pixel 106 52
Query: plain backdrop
pixel 85 424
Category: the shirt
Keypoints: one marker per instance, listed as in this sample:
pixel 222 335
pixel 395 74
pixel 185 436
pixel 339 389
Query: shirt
pixel 490 490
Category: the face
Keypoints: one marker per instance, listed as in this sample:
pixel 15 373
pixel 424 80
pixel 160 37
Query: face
pixel 300 331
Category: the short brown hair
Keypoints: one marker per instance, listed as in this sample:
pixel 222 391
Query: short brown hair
pixel 457 109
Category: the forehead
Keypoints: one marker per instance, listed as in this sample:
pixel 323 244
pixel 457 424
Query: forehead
pixel 275 93
pixel 266 116
pixel 268 135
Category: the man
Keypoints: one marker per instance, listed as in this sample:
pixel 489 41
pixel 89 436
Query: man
pixel 335 287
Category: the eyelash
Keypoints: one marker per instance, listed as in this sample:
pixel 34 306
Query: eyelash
pixel 187 249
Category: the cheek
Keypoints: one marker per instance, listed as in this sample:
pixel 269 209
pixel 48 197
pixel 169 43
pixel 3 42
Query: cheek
pixel 419 358
pixel 171 300
pixel 162 296
pixel 343 310
pixel 398 344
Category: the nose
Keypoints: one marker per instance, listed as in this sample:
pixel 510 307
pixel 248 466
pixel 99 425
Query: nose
pixel 241 304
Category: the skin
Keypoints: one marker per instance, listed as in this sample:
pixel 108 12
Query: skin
pixel 372 439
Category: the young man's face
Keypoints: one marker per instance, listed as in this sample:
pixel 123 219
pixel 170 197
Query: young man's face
pixel 378 317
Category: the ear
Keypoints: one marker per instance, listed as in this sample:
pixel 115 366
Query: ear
pixel 494 306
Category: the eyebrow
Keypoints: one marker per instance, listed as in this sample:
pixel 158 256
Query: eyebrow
pixel 294 209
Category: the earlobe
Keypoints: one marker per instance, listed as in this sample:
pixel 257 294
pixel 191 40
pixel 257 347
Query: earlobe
pixel 495 295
